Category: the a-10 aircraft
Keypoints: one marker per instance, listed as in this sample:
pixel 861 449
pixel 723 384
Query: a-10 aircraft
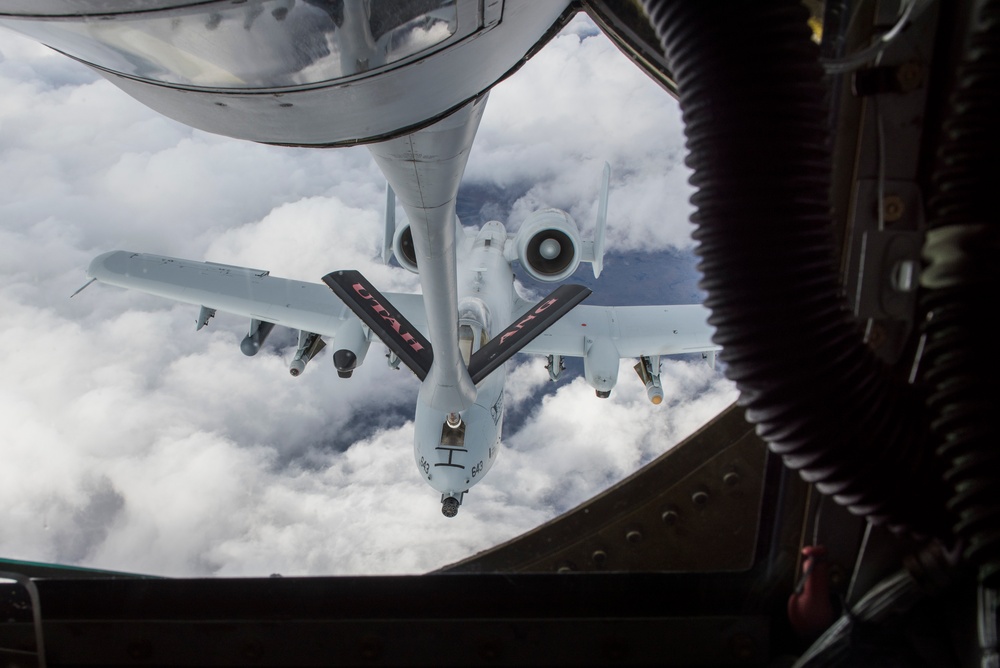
pixel 454 447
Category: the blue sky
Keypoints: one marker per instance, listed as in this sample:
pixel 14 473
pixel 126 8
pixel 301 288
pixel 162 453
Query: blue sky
pixel 132 442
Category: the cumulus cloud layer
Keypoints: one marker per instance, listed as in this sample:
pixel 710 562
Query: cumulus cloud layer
pixel 132 442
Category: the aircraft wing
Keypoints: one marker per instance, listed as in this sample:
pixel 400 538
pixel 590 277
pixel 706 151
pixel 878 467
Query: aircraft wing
pixel 252 293
pixel 633 330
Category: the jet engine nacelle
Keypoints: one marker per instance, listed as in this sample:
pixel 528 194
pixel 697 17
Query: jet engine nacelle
pixel 600 366
pixel 548 245
pixel 350 347
pixel 402 248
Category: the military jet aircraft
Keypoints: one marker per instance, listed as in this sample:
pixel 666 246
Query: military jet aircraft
pixel 455 444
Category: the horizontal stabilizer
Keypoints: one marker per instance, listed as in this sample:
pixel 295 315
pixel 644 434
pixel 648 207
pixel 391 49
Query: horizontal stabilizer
pixel 535 321
pixel 373 309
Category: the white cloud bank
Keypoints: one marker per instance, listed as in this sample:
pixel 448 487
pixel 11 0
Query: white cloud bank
pixel 131 442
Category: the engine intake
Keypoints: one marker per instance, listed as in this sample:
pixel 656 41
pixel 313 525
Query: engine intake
pixel 548 245
pixel 402 248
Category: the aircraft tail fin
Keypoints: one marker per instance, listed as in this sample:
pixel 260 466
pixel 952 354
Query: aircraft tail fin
pixel 390 223
pixel 602 222
pixel 593 251
pixel 373 309
pixel 522 331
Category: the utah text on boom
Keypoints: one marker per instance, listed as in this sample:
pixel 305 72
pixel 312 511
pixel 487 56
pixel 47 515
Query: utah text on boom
pixel 387 316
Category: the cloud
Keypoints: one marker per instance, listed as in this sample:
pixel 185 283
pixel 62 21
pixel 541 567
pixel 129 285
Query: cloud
pixel 133 442
pixel 574 444
pixel 578 104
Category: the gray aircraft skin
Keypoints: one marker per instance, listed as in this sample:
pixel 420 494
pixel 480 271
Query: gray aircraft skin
pixel 296 73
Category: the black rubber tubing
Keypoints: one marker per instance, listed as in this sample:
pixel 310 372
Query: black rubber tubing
pixel 754 106
pixel 962 284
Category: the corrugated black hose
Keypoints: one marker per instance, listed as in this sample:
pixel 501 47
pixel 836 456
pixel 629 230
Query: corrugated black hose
pixel 755 113
pixel 962 289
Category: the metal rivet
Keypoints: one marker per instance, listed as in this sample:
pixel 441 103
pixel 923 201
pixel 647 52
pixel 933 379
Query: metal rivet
pixel 910 76
pixel 599 557
pixel 893 208
pixel 670 517
pixel 700 497
pixel 731 479
pixel 875 336
pixel 634 536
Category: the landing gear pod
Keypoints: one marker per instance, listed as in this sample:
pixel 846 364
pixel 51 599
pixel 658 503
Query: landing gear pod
pixel 351 345
pixel 259 331
pixel 600 366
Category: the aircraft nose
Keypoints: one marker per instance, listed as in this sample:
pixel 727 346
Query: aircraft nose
pixel 452 459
